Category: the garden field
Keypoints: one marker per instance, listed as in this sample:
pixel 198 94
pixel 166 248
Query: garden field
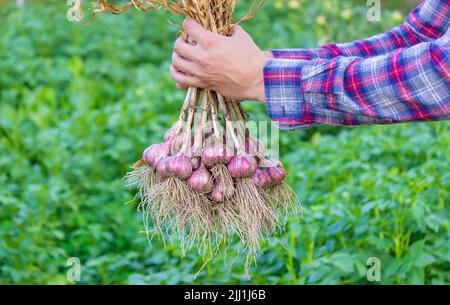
pixel 78 103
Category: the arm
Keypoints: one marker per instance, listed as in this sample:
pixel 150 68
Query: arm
pixel 410 84
pixel 427 22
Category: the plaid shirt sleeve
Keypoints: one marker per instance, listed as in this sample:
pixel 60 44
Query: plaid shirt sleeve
pixel 408 84
pixel 429 21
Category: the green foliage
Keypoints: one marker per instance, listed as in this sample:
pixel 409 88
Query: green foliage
pixel 78 103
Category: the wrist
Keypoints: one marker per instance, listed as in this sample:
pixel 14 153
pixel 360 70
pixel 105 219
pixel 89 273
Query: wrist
pixel 257 89
pixel 256 92
pixel 268 54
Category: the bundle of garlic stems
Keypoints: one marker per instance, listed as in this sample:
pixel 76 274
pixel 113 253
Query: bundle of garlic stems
pixel 209 180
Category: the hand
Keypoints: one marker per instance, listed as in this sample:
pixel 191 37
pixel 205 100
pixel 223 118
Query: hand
pixel 231 65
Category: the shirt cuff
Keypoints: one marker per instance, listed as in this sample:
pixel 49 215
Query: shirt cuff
pixel 284 97
pixel 299 54
pixel 326 51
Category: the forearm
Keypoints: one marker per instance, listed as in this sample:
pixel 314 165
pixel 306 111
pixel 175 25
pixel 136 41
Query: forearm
pixel 406 85
pixel 399 37
pixel 429 21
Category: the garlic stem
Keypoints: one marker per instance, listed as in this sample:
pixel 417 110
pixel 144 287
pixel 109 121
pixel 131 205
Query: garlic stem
pixel 186 102
pixel 192 106
pixel 252 145
pixel 199 136
pixel 214 116
pixel 229 123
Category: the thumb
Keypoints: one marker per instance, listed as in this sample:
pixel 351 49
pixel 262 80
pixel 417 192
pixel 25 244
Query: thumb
pixel 237 30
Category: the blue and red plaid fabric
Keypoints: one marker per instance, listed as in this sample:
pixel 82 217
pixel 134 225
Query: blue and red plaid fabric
pixel 398 76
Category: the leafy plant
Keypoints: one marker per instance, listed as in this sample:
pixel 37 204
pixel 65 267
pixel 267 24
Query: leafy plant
pixel 76 100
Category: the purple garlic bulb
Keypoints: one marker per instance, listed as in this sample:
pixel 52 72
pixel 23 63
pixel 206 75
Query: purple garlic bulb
pixel 217 192
pixel 266 163
pixel 155 153
pixel 261 178
pixel 175 166
pixel 216 154
pixel 242 166
pixel 180 166
pixel 276 174
pixel 201 180
pixel 163 168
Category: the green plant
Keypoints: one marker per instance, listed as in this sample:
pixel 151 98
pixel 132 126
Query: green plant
pixel 75 102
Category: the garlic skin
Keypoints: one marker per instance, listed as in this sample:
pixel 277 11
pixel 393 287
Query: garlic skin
pixel 276 174
pixel 169 134
pixel 217 192
pixel 261 178
pixel 201 180
pixel 254 147
pixel 175 166
pixel 180 166
pixel 195 162
pixel 175 144
pixel 224 154
pixel 163 168
pixel 155 153
pixel 216 154
pixel 242 166
pixel 208 157
pixel 266 163
pixel 277 163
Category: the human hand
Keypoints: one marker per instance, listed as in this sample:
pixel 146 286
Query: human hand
pixel 231 65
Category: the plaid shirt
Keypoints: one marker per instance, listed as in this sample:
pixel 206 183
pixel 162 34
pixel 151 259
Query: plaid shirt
pixel 401 75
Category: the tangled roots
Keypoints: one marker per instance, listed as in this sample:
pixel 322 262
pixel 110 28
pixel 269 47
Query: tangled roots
pixel 227 221
pixel 284 199
pixel 220 172
pixel 142 178
pixel 177 209
pixel 255 212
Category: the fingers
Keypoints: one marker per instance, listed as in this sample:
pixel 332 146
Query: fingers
pixel 184 80
pixel 189 40
pixel 183 65
pixel 184 49
pixel 180 86
pixel 197 32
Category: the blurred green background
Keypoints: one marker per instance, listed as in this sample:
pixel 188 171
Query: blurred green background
pixel 78 103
